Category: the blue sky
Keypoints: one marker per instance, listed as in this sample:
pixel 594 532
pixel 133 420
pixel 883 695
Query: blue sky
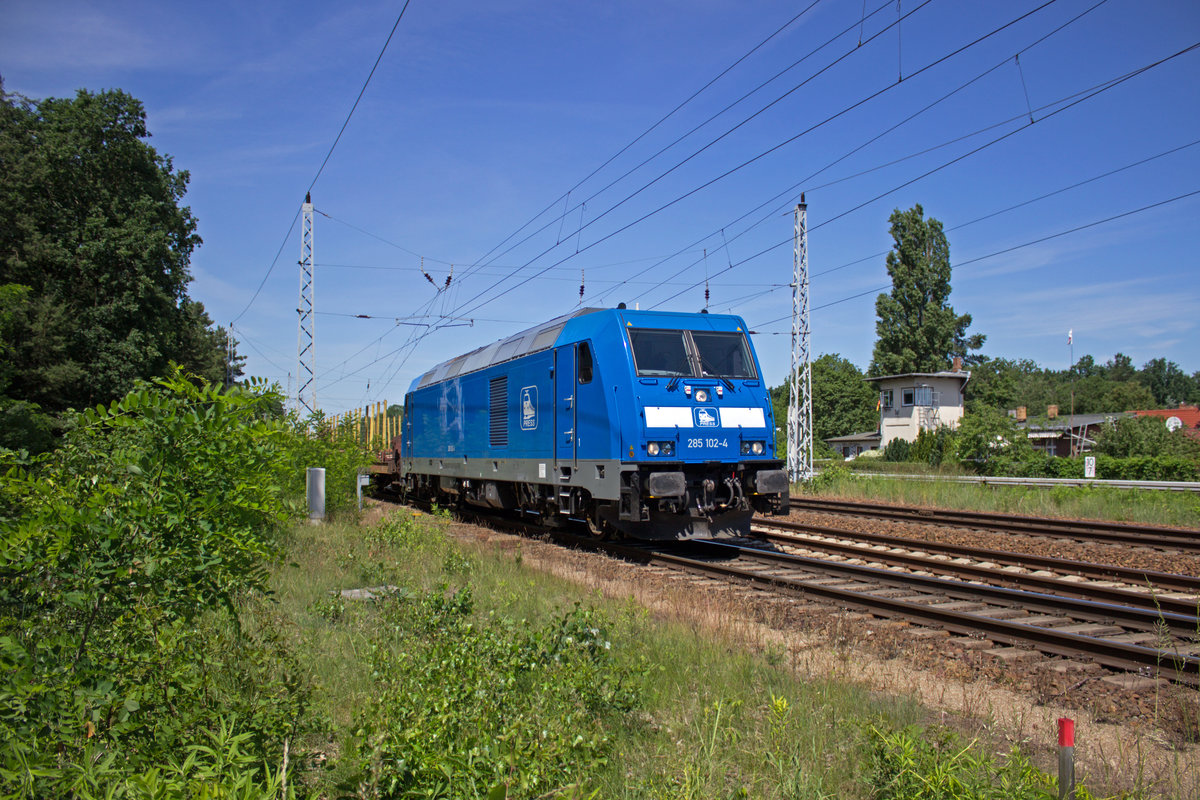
pixel 482 115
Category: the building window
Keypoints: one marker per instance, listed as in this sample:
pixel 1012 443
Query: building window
pixel 924 396
pixel 886 399
pixel 906 396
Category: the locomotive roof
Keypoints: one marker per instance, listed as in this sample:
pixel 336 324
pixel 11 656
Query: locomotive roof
pixel 544 336
pixel 531 340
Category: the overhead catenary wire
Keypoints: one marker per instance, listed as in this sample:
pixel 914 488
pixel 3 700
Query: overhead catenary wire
pixel 679 198
pixel 444 299
pixel 418 338
pixel 712 142
pixel 651 129
pixel 804 181
pixel 325 161
pixel 996 253
pixel 423 335
pixel 1030 201
pixel 361 92
pixel 1086 95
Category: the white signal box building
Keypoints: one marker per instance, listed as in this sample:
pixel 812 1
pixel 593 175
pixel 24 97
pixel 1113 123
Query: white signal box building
pixel 917 401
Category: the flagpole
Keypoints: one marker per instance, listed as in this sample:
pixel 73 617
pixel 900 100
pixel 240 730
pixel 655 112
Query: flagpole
pixel 1071 344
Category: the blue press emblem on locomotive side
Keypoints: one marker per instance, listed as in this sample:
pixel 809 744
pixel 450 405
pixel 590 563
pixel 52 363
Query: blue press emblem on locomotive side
pixel 706 417
pixel 529 408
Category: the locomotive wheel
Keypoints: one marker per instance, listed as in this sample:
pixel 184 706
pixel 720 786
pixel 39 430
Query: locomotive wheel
pixel 600 528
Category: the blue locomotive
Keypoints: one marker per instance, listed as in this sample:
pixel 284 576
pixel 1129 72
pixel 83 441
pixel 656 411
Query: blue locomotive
pixel 644 423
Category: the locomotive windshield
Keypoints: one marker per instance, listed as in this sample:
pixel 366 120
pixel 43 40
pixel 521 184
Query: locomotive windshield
pixel 659 353
pixel 723 355
pixel 697 354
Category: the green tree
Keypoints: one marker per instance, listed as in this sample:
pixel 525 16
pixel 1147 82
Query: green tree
pixel 1128 437
pixel 842 402
pixel 95 232
pixel 1120 368
pixel 1169 384
pixel 995 382
pixel 988 433
pixel 1127 396
pixel 917 328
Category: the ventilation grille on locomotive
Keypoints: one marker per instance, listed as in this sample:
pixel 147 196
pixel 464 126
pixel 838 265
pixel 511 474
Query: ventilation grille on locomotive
pixel 498 411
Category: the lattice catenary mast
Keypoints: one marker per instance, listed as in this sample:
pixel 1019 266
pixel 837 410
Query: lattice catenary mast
pixel 306 387
pixel 799 423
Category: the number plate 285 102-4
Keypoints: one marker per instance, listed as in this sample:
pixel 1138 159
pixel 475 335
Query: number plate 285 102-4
pixel 713 442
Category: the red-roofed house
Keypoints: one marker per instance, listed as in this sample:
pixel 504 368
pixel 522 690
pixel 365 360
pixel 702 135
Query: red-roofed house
pixel 1188 418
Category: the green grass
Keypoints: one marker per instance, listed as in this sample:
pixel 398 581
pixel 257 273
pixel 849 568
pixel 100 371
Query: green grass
pixel 1074 502
pixel 482 677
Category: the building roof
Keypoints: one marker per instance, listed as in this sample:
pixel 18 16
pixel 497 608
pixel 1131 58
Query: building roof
pixel 1188 416
pixel 963 374
pixel 869 436
pixel 1064 422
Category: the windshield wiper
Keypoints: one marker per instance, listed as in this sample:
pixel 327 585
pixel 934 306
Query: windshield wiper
pixel 704 364
pixel 679 373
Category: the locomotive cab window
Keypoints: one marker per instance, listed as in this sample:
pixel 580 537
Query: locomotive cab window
pixel 584 363
pixel 723 355
pixel 659 354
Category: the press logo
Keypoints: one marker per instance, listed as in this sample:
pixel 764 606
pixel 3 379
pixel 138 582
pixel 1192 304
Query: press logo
pixel 529 408
pixel 705 417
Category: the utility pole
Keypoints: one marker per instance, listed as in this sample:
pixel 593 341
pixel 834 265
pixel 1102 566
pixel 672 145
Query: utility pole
pixel 229 356
pixel 799 430
pixel 306 388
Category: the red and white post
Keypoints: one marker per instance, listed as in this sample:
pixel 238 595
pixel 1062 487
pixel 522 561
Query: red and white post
pixel 1066 759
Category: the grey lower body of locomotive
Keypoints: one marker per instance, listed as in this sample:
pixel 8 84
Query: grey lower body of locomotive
pixel 645 501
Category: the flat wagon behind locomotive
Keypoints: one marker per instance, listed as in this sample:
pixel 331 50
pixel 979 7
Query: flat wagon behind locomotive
pixel 651 424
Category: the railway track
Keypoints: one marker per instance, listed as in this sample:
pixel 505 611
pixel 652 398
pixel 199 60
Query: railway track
pixel 1017 615
pixel 1148 588
pixel 1080 530
pixel 1122 638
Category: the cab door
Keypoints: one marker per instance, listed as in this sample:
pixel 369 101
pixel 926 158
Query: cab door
pixel 565 406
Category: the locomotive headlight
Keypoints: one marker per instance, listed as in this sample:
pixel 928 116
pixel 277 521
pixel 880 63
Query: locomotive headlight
pixel 668 448
pixel 755 448
pixel 701 396
pixel 652 448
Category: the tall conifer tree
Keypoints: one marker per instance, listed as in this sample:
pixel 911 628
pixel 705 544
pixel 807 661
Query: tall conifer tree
pixel 917 328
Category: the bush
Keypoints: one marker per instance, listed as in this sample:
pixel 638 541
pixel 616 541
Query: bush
pixel 1141 468
pixel 323 442
pixel 897 450
pixel 126 556
pixel 935 447
pixel 828 478
pixel 470 707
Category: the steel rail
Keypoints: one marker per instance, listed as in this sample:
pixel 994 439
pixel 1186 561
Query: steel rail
pixel 1160 486
pixel 1146 619
pixel 1029 582
pixel 1165 581
pixel 1175 666
pixel 1089 530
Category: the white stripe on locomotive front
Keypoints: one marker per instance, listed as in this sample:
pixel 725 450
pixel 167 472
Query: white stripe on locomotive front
pixel 681 417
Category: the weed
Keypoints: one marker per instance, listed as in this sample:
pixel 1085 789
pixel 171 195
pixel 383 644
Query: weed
pixel 912 765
